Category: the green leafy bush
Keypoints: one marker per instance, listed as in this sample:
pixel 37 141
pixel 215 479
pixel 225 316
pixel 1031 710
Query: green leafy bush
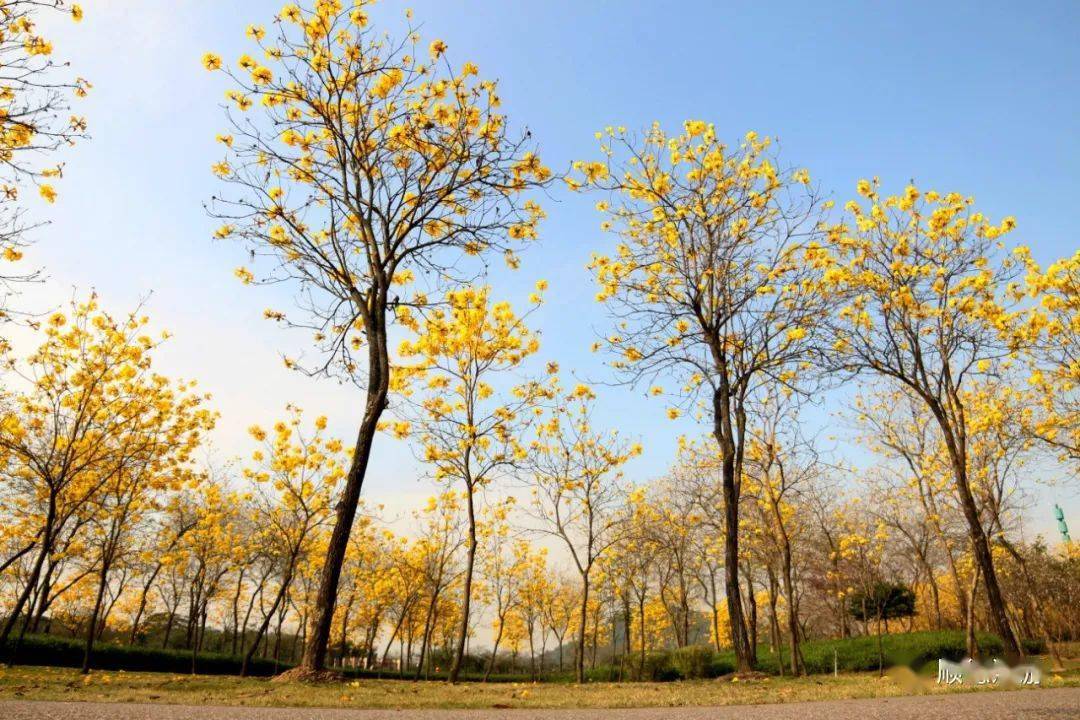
pixel 694 662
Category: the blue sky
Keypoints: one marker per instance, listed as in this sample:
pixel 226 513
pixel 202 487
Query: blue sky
pixel 982 98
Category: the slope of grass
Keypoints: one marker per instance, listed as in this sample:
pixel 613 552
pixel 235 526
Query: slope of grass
pixel 913 650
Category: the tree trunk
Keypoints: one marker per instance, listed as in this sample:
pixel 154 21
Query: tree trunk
pixel 880 653
pixel 935 593
pixel 725 434
pixel 263 626
pixel 752 618
pixel 641 634
pixel 494 651
pixel 142 607
pixel 236 609
pixel 714 605
pixel 429 628
pixel 972 642
pixel 168 628
pixel 775 639
pixel 579 657
pixel 980 546
pixel 999 619
pixel 91 626
pixel 378 387
pixel 532 654
pixel 466 593
pixel 789 592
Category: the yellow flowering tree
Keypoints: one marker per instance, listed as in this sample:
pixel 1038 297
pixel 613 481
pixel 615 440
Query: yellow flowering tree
pixel 780 466
pixel 631 564
pixel 159 463
pixel 357 164
pixel 296 474
pixel 864 548
pixel 467 429
pixel 1049 338
pixel 696 479
pixel 536 587
pixel 576 476
pixel 503 567
pixel 34 122
pixel 558 612
pixel 437 549
pixel 707 283
pixel 91 419
pixel 668 521
pixel 205 558
pixel 923 305
pixel 895 426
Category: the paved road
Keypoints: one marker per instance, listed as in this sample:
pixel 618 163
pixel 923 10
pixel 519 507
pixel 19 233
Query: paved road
pixel 1046 704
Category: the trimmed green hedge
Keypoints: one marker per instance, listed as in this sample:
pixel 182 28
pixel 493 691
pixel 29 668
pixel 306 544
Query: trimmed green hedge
pixel 441 676
pixel 693 662
pixel 68 652
pixel 699 661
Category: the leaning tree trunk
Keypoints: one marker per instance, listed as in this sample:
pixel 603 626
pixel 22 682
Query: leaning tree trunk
pixel 142 605
pixel 494 651
pixel 980 546
pixel 378 388
pixel 264 626
pixel 999 619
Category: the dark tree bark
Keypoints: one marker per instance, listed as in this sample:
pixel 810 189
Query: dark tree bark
pixel 470 563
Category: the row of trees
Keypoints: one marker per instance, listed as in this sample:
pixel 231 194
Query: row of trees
pixel 371 164
pixel 118 529
pixel 377 180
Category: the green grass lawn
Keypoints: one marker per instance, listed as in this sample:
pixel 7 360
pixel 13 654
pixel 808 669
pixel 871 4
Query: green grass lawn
pixel 46 683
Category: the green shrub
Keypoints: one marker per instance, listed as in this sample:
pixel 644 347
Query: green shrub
pixel 608 673
pixel 659 668
pixel 720 665
pixel 68 652
pixel 694 662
